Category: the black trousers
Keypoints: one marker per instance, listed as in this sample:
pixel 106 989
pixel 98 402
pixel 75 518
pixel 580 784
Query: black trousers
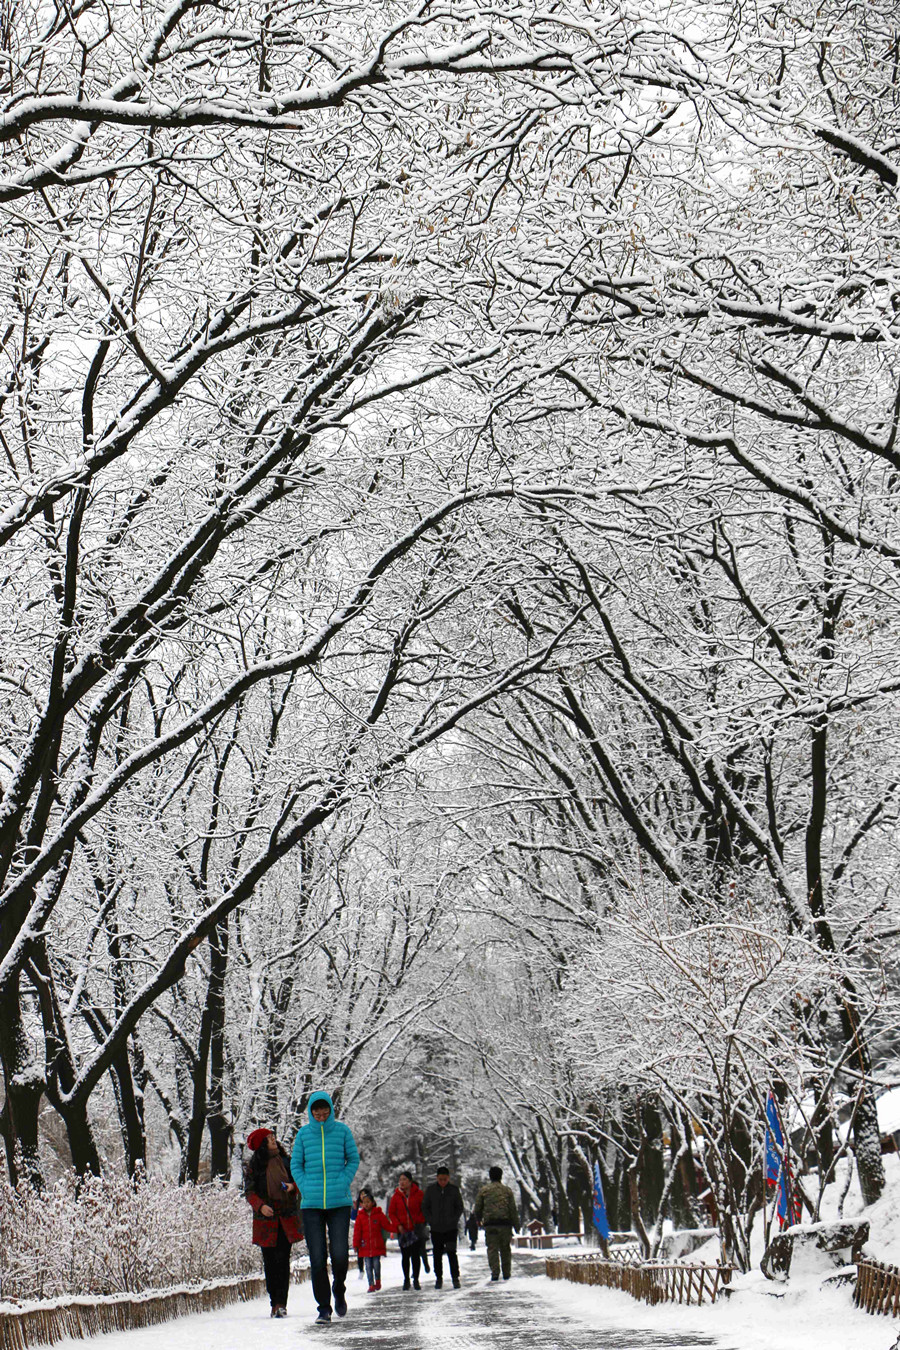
pixel 411 1257
pixel 444 1244
pixel 277 1268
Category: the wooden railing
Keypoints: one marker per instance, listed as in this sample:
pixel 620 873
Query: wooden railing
pixel 651 1281
pixel 877 1287
pixel 542 1240
pixel 78 1318
pixel 626 1253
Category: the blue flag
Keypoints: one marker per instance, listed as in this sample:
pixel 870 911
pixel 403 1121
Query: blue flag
pixel 601 1223
pixel 778 1168
pixel 774 1142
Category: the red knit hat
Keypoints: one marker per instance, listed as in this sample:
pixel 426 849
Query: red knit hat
pixel 256 1138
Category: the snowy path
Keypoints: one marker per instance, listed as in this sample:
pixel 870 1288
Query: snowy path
pixel 505 1316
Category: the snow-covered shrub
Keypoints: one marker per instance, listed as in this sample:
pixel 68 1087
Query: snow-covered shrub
pixel 115 1236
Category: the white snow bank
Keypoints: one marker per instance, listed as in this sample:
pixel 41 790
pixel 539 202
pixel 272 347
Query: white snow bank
pixel 239 1326
pixel 884 1215
pixel 758 1316
pixel 888 1106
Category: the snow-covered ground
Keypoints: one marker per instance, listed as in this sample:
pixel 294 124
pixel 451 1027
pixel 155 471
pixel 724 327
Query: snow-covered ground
pixel 240 1326
pixel 753 1319
pixel 758 1315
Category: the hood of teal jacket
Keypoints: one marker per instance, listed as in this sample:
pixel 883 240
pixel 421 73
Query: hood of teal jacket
pixel 321 1097
pixel 324 1159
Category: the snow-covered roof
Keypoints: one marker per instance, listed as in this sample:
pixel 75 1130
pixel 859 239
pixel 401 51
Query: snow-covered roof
pixel 889 1111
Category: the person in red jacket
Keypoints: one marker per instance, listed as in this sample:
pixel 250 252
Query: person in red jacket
pixel 273 1198
pixel 368 1236
pixel 405 1212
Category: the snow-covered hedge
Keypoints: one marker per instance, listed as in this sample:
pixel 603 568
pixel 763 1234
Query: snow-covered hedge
pixel 115 1236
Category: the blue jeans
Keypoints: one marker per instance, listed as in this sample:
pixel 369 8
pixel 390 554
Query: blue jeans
pixel 373 1269
pixel 336 1224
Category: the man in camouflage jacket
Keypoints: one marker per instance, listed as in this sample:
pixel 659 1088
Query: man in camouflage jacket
pixel 495 1209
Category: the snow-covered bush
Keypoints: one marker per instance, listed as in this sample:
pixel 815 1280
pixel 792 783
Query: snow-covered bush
pixel 116 1236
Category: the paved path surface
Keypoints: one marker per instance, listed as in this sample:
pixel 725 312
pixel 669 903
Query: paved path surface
pixel 481 1314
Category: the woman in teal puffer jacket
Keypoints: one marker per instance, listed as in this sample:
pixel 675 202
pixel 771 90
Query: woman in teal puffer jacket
pixel 324 1161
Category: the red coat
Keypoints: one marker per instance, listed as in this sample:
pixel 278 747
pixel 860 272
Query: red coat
pixel 265 1231
pixel 368 1238
pixel 405 1211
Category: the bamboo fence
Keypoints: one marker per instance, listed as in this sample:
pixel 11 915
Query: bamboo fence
pixel 623 1253
pixel 877 1288
pixel 626 1253
pixel 79 1318
pixel 651 1281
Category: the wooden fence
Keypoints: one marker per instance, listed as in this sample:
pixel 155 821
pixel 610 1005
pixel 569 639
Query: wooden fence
pixel 651 1281
pixel 877 1288
pixel 626 1253
pixel 542 1240
pixel 78 1318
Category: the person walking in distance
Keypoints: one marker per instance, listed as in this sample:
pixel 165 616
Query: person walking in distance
pixel 443 1208
pixel 405 1214
pixel 273 1198
pixel 495 1210
pixel 324 1161
pixel 368 1236
pixel 472 1230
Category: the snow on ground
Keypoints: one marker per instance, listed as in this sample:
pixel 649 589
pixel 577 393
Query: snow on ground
pixel 884 1215
pixel 804 1319
pixel 239 1326
pixel 752 1319
pixel 758 1315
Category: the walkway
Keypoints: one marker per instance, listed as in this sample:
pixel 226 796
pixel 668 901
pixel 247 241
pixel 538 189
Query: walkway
pixel 500 1316
pixel 503 1316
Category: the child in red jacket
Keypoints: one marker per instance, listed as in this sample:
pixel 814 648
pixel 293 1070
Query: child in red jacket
pixel 368 1236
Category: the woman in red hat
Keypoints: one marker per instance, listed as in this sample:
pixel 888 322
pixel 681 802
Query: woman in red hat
pixel 274 1200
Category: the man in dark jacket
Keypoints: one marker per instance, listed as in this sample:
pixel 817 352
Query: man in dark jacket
pixel 443 1209
pixel 495 1209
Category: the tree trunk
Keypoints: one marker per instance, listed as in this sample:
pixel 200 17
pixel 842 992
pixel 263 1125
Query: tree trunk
pixel 25 1083
pixel 220 1130
pixel 652 1178
pixel 61 1067
pixel 206 1086
pixel 867 1146
pixel 637 1222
